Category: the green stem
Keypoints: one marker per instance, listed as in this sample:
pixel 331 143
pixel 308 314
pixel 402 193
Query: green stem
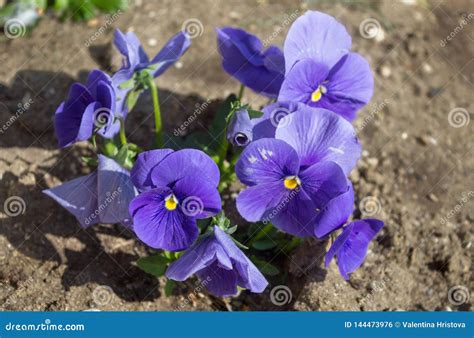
pixel 241 92
pixel 123 137
pixel 156 111
pixel 261 233
pixel 223 151
pixel 295 241
pixel 94 142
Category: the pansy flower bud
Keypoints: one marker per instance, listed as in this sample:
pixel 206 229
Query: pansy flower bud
pixel 239 131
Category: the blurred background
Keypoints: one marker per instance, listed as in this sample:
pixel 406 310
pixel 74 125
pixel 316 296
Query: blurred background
pixel 416 172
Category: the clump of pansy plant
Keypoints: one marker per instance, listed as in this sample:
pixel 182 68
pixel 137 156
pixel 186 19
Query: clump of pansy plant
pixel 294 156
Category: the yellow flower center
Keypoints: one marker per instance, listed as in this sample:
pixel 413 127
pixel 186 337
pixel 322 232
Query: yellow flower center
pixel 171 202
pixel 318 93
pixel 291 182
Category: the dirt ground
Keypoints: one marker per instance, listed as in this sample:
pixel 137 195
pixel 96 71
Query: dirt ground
pixel 416 173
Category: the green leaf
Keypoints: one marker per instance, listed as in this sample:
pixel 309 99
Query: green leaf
pixel 110 149
pixel 264 244
pixel 91 161
pixel 155 265
pixel 270 270
pixel 169 286
pixel 264 267
pixel 253 114
pixel 132 98
pixel 110 5
pixel 231 230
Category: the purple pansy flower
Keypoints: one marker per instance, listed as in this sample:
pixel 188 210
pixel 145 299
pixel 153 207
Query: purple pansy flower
pixel 135 59
pixel 239 130
pixel 243 57
pixel 350 247
pixel 218 261
pixel 100 197
pixel 291 179
pixel 87 108
pixel 320 69
pixel 178 187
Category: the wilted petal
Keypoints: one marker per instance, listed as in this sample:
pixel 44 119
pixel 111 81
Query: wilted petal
pixel 115 191
pixel 220 281
pixel 79 197
pixel 351 245
pixel 196 258
pixel 248 276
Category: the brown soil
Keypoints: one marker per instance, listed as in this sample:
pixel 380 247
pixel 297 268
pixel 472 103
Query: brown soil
pixel 416 168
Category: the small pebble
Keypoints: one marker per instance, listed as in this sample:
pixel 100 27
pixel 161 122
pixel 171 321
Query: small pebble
pixel 404 136
pixel 152 42
pixel 178 65
pixel 234 15
pixel 385 71
pixel 427 68
pixel 93 22
pixel 433 197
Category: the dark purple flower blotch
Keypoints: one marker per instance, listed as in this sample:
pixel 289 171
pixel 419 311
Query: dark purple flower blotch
pixel 87 108
pixel 178 187
pixel 295 179
pixel 135 59
pixel 100 197
pixel 239 130
pixel 350 247
pixel 220 265
pixel 243 57
pixel 320 69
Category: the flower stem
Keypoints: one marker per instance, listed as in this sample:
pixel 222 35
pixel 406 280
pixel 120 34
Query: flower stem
pixel 241 92
pixel 265 230
pixel 123 137
pixel 157 112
